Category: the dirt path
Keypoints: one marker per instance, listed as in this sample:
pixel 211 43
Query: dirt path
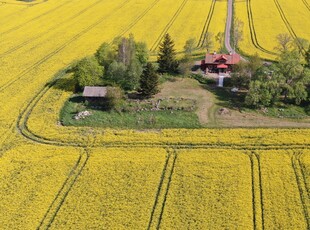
pixel 229 20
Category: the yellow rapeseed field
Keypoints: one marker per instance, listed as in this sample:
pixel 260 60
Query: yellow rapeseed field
pixel 264 20
pixel 81 177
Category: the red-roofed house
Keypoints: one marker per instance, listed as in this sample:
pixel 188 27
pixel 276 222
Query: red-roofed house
pixel 219 63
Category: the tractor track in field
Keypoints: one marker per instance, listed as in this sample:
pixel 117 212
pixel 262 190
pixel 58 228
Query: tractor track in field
pixel 21 45
pixel 256 201
pixel 306 4
pixel 22 127
pixel 63 192
pixel 24 4
pixel 7 17
pixel 167 27
pixel 301 185
pixel 159 189
pixel 36 18
pixel 167 190
pixel 132 24
pixel 207 24
pixel 260 178
pixel 253 31
pixel 61 47
pixel 288 25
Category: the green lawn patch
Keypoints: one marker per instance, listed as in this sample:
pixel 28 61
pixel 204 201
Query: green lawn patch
pixel 142 118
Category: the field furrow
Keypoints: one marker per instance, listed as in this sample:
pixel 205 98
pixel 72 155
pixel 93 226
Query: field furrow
pixel 200 197
pixel 283 207
pixel 122 182
pixel 30 176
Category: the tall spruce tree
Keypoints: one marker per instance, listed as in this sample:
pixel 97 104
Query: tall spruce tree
pixel 149 81
pixel 167 56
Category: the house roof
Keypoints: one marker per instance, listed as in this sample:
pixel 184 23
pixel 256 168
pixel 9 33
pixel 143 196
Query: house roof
pixel 222 66
pixel 94 91
pixel 228 58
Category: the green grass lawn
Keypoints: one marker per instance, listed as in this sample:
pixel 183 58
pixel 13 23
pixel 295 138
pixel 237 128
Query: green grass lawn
pixel 127 120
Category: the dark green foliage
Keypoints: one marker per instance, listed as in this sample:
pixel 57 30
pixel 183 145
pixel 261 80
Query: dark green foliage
pixel 307 57
pixel 88 72
pixel 142 52
pixel 149 81
pixel 286 80
pixel 124 60
pixel 114 97
pixel 167 56
pixel 105 55
pixel 293 76
pixel 262 93
pixel 189 47
pixel 116 73
pixel 244 71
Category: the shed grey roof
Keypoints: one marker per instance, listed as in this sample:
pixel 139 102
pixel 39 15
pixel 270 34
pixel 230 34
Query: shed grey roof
pixel 94 91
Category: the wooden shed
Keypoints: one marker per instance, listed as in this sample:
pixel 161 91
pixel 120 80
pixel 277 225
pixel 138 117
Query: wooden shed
pixel 94 93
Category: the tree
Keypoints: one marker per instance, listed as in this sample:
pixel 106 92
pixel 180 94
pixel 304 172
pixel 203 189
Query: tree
pixel 220 39
pixel 261 93
pixel 105 55
pixel 284 42
pixel 300 44
pixel 133 74
pixel 208 41
pixel 244 71
pixel 293 75
pixel 116 73
pixel 142 52
pixel 149 81
pixel 88 72
pixel 237 31
pixel 189 47
pixel 113 97
pixel 126 50
pixel 167 56
pixel 307 57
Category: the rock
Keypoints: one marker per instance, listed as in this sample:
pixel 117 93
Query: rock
pixel 224 111
pixel 82 115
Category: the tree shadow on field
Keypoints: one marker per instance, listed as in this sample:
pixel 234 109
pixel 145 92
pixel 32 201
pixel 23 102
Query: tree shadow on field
pixel 65 84
pixel 63 81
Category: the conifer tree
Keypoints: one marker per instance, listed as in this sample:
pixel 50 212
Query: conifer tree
pixel 167 56
pixel 149 81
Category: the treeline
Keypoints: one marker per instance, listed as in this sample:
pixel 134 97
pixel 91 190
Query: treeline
pixel 124 64
pixel 287 80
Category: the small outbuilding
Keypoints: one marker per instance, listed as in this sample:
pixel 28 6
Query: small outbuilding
pixel 94 93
